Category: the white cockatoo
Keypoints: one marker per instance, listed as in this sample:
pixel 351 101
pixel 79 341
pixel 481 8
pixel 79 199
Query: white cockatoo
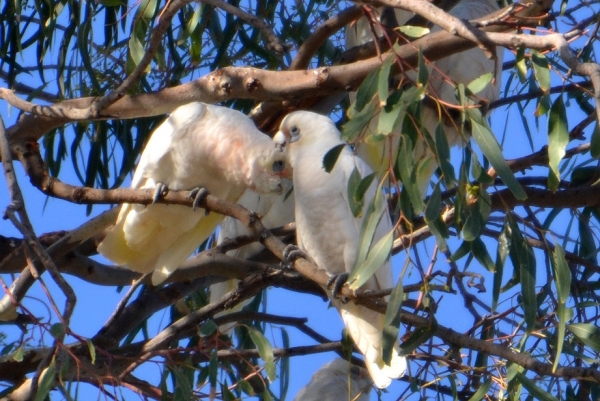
pixel 276 210
pixel 199 145
pixel 337 380
pixel 328 232
pixel 459 68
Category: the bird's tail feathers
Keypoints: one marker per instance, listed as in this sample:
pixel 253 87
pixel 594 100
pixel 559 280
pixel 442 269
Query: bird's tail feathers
pixel 365 327
pixel 383 374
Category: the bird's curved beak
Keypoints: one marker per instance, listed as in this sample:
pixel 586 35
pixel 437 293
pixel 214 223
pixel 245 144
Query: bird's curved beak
pixel 279 140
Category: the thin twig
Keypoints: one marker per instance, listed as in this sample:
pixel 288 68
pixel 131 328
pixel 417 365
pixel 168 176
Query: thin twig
pixel 273 41
pixel 23 224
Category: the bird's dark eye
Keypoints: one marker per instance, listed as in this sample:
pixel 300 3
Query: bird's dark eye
pixel 294 131
pixel 278 166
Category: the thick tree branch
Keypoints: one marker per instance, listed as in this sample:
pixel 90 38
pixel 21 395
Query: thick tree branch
pixel 250 83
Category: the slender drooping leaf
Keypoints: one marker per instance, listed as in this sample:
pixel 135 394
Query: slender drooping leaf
pixel 535 390
pixel 284 367
pixel 406 168
pixel 562 278
pixel 357 187
pixel 595 142
pixel 384 79
pixel 443 152
pixel 523 260
pixel 357 121
pixel 541 70
pixel 374 212
pixel 391 327
pixel 213 369
pixel 391 115
pixel 418 337
pixel 422 71
pixel 501 254
pixel 434 219
pixel 378 255
pixel 265 350
pixel 479 83
pixel 183 379
pixel 92 351
pixel 558 138
pixel 366 90
pixel 521 65
pixel 46 382
pixel 587 333
pixel 482 391
pixel 490 147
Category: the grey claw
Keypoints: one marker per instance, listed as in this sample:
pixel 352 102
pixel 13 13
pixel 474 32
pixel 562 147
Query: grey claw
pixel 335 283
pixel 291 253
pixel 198 194
pixel 159 192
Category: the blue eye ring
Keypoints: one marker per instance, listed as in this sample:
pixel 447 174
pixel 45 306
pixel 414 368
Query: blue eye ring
pixel 294 131
pixel 278 166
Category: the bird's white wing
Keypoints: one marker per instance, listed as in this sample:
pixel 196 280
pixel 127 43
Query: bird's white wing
pixel 365 325
pixel 337 380
pixel 199 145
pixel 276 211
pixel 328 231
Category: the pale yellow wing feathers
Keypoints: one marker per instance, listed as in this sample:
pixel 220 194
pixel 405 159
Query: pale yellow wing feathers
pixel 199 145
pixel 186 243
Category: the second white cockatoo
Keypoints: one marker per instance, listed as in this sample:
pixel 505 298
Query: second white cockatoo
pixel 199 145
pixel 329 233
pixel 276 210
pixel 444 74
pixel 337 380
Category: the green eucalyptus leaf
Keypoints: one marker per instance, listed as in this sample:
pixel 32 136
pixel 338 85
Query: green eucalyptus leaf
pixel 332 156
pixel 47 381
pixel 541 69
pixel 265 350
pixel 523 260
pixel 358 121
pixel 383 80
pixel 378 255
pixel 501 254
pixel 490 147
pixel 366 90
pixel 413 31
pixel 587 333
pixel 480 83
pixel 534 390
pixel 434 220
pixel 482 391
pixel 558 138
pixel 595 142
pixel 443 152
